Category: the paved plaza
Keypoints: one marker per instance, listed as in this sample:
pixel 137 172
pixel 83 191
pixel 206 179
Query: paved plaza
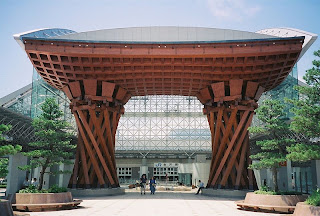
pixel 162 203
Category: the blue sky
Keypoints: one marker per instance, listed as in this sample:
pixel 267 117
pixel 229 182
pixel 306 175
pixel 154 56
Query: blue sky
pixel 22 15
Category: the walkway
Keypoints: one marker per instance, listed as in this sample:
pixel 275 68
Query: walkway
pixel 162 204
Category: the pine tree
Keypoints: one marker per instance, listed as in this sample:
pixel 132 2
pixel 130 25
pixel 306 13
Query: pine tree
pixel 54 146
pixel 5 148
pixel 273 149
pixel 307 116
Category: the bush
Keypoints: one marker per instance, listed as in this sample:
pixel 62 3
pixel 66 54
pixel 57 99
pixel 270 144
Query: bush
pixel 52 189
pixel 32 189
pixel 266 190
pixel 314 198
pixel 57 189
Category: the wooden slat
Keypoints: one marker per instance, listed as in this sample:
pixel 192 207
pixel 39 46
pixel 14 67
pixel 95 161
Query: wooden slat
pixel 67 91
pixel 90 87
pixel 75 89
pixel 235 87
pixel 205 94
pixel 108 89
pixel 259 93
pixel 121 94
pixel 251 89
pixel 218 89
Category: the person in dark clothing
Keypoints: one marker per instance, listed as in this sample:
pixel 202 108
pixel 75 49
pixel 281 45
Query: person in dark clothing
pixel 201 186
pixel 143 181
pixel 152 185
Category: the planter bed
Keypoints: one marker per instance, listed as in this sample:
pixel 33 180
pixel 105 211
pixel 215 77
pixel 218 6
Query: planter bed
pixel 44 201
pixel 306 210
pixel 270 203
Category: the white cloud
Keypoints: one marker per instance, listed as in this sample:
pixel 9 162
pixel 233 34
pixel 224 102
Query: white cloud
pixel 232 9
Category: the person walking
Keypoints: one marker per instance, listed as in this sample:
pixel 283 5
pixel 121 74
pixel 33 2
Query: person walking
pixel 201 186
pixel 143 182
pixel 152 185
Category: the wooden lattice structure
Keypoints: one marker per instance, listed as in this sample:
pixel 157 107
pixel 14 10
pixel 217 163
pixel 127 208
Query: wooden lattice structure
pixel 228 77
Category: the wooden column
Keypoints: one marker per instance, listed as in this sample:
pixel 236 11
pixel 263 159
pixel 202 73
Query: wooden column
pixel 229 107
pixel 97 108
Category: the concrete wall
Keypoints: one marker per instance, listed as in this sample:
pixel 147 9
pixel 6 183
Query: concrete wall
pixel 15 176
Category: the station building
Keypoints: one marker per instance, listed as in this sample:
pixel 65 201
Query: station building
pixel 165 136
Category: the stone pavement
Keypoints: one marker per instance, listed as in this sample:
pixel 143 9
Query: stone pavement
pixel 162 204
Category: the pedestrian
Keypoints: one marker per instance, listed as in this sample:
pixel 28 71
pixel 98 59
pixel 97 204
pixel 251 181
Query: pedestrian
pixel 152 185
pixel 34 182
pixel 201 186
pixel 25 183
pixel 143 182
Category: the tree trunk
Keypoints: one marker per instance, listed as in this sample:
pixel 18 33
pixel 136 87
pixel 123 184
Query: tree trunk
pixel 43 170
pixel 274 178
pixel 41 177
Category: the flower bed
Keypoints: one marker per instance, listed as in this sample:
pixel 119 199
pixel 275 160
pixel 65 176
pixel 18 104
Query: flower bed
pixel 55 198
pixel 306 210
pixel 272 203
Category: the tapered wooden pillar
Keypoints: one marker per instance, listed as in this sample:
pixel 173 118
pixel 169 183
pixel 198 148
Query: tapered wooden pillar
pixel 97 108
pixel 229 107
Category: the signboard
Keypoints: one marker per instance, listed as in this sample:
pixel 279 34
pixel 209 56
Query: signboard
pixel 160 164
pixel 283 164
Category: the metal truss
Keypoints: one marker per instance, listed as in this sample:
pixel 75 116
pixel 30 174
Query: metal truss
pixel 22 131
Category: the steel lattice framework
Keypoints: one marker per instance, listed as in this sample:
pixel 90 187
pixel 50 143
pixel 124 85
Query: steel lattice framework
pixel 99 78
pixel 163 123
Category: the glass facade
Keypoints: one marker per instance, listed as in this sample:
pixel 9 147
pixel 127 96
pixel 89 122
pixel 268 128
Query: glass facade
pixel 40 91
pixel 282 91
pixel 21 104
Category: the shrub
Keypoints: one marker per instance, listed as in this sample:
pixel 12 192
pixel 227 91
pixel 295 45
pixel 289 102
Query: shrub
pixel 52 189
pixel 57 189
pixel 266 190
pixel 32 189
pixel 314 198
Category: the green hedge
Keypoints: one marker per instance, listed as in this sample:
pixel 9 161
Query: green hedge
pixel 52 189
pixel 266 190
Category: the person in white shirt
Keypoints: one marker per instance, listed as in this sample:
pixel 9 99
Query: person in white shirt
pixel 34 182
pixel 201 186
